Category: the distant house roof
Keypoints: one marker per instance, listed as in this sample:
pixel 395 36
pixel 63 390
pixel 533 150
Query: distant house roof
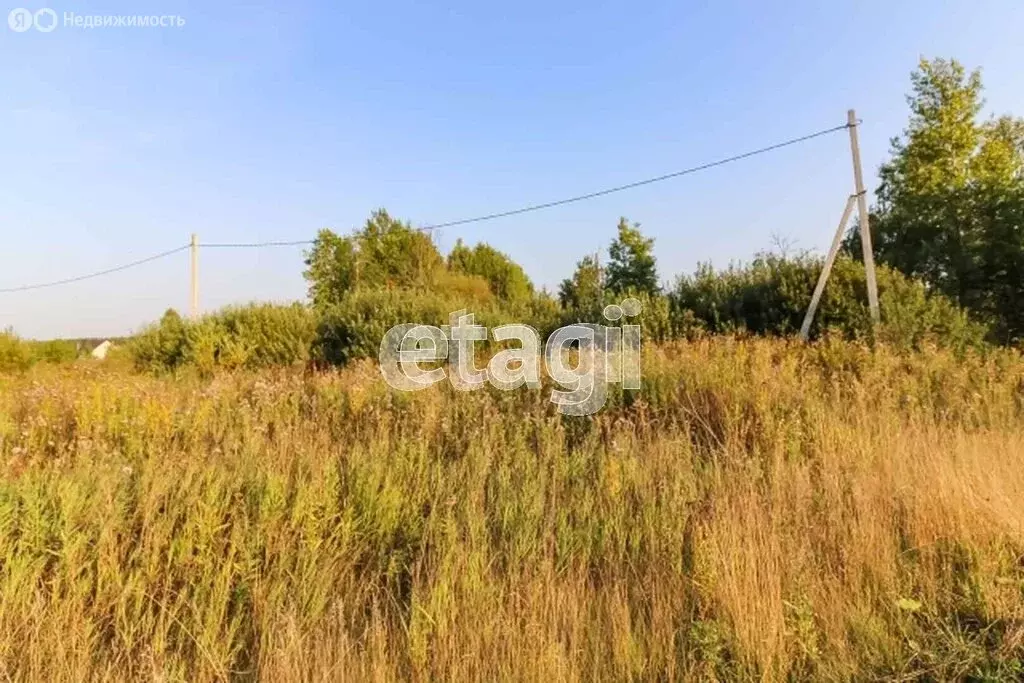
pixel 101 351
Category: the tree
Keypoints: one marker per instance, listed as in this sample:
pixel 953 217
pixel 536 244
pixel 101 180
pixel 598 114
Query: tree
pixel 386 253
pixel 945 211
pixel 1001 261
pixel 506 278
pixel 391 254
pixel 582 292
pixel 921 199
pixel 631 264
pixel 330 268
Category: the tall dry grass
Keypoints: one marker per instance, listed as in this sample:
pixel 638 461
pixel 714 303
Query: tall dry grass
pixel 761 510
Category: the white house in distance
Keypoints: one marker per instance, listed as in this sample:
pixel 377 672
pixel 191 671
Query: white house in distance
pixel 101 351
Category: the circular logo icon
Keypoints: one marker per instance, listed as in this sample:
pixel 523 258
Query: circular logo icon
pixel 45 20
pixel 20 20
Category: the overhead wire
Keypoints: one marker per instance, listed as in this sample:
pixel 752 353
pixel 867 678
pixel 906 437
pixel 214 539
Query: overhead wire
pixel 639 183
pixel 462 221
pixel 108 271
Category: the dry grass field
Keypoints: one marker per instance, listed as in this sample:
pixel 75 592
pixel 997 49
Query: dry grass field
pixel 761 510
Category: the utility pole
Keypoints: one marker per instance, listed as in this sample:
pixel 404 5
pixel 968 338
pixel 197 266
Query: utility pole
pixel 194 307
pixel 862 212
pixel 805 329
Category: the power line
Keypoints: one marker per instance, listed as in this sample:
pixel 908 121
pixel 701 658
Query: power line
pixel 639 183
pixel 253 245
pixel 582 197
pixel 463 221
pixel 79 278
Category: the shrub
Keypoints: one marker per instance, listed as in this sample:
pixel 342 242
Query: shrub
pixel 469 289
pixel 15 354
pixel 771 295
pixel 658 319
pixel 162 346
pixel 355 327
pixel 911 315
pixel 660 322
pixel 54 351
pixel 505 278
pixel 541 312
pixel 253 336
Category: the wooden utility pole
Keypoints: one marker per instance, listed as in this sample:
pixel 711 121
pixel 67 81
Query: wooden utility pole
pixel 194 307
pixel 862 212
pixel 805 329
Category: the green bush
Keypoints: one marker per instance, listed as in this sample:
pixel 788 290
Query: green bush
pixel 911 315
pixel 505 278
pixel 162 346
pixel 54 351
pixel 355 327
pixel 15 354
pixel 658 319
pixel 771 295
pixel 660 322
pixel 253 336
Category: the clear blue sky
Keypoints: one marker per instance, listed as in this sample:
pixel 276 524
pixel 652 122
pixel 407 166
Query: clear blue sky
pixel 257 121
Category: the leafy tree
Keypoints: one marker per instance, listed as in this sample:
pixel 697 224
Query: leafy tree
pixel 506 278
pixel 391 254
pixel 1000 216
pixel 631 264
pixel 330 268
pixel 386 253
pixel 948 202
pixel 1000 159
pixel 918 227
pixel 582 292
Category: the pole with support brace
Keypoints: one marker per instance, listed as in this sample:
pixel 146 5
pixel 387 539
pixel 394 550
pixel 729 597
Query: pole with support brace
pixel 805 329
pixel 860 196
pixel 862 215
